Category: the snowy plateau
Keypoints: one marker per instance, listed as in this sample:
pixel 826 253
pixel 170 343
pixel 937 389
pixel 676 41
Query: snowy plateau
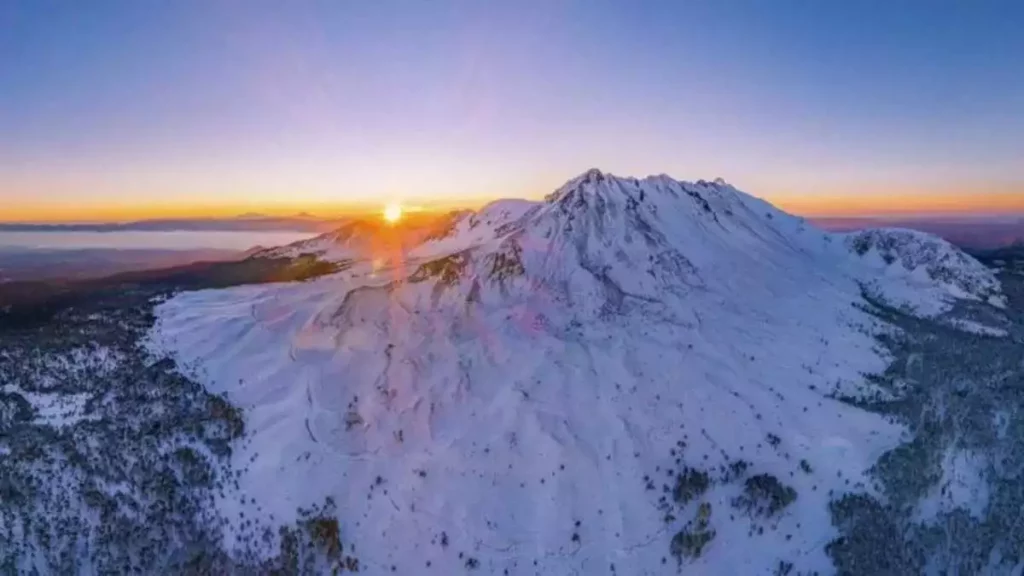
pixel 632 376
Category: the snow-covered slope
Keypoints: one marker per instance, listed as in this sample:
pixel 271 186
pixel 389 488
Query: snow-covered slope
pixel 926 262
pixel 631 375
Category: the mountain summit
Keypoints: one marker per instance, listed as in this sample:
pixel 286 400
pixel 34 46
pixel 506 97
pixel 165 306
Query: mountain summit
pixel 656 236
pixel 632 376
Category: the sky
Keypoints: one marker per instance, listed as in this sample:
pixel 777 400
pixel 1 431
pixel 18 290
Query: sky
pixel 138 108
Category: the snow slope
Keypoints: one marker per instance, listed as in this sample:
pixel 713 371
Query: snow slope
pixel 526 388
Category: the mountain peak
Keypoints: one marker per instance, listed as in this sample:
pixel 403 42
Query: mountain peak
pixel 593 175
pixel 645 186
pixel 570 340
pixel 611 194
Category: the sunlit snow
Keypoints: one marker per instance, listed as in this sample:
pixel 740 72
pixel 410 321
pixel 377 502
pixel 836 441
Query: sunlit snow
pixel 519 383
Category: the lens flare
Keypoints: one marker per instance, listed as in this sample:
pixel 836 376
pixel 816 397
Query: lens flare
pixel 392 213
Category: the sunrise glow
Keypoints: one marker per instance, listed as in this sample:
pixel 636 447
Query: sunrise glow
pixel 315 110
pixel 392 213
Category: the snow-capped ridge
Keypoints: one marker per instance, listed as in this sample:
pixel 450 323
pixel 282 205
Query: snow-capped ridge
pixel 609 187
pixel 648 239
pixel 715 200
pixel 371 238
pixel 600 242
pixel 925 259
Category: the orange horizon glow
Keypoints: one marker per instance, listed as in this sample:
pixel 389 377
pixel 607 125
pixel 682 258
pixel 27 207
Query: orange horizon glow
pixel 98 213
pixel 900 204
pixel 803 205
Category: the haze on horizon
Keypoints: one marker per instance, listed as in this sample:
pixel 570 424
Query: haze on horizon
pixel 120 110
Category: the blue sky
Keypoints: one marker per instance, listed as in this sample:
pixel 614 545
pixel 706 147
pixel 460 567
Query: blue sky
pixel 259 103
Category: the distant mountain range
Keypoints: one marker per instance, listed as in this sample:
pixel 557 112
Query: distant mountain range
pixel 244 223
pixel 969 232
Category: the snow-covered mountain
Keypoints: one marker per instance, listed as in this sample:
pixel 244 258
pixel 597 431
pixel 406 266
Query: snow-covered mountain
pixel 632 376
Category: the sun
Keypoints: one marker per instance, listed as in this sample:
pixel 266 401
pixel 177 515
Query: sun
pixel 393 213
